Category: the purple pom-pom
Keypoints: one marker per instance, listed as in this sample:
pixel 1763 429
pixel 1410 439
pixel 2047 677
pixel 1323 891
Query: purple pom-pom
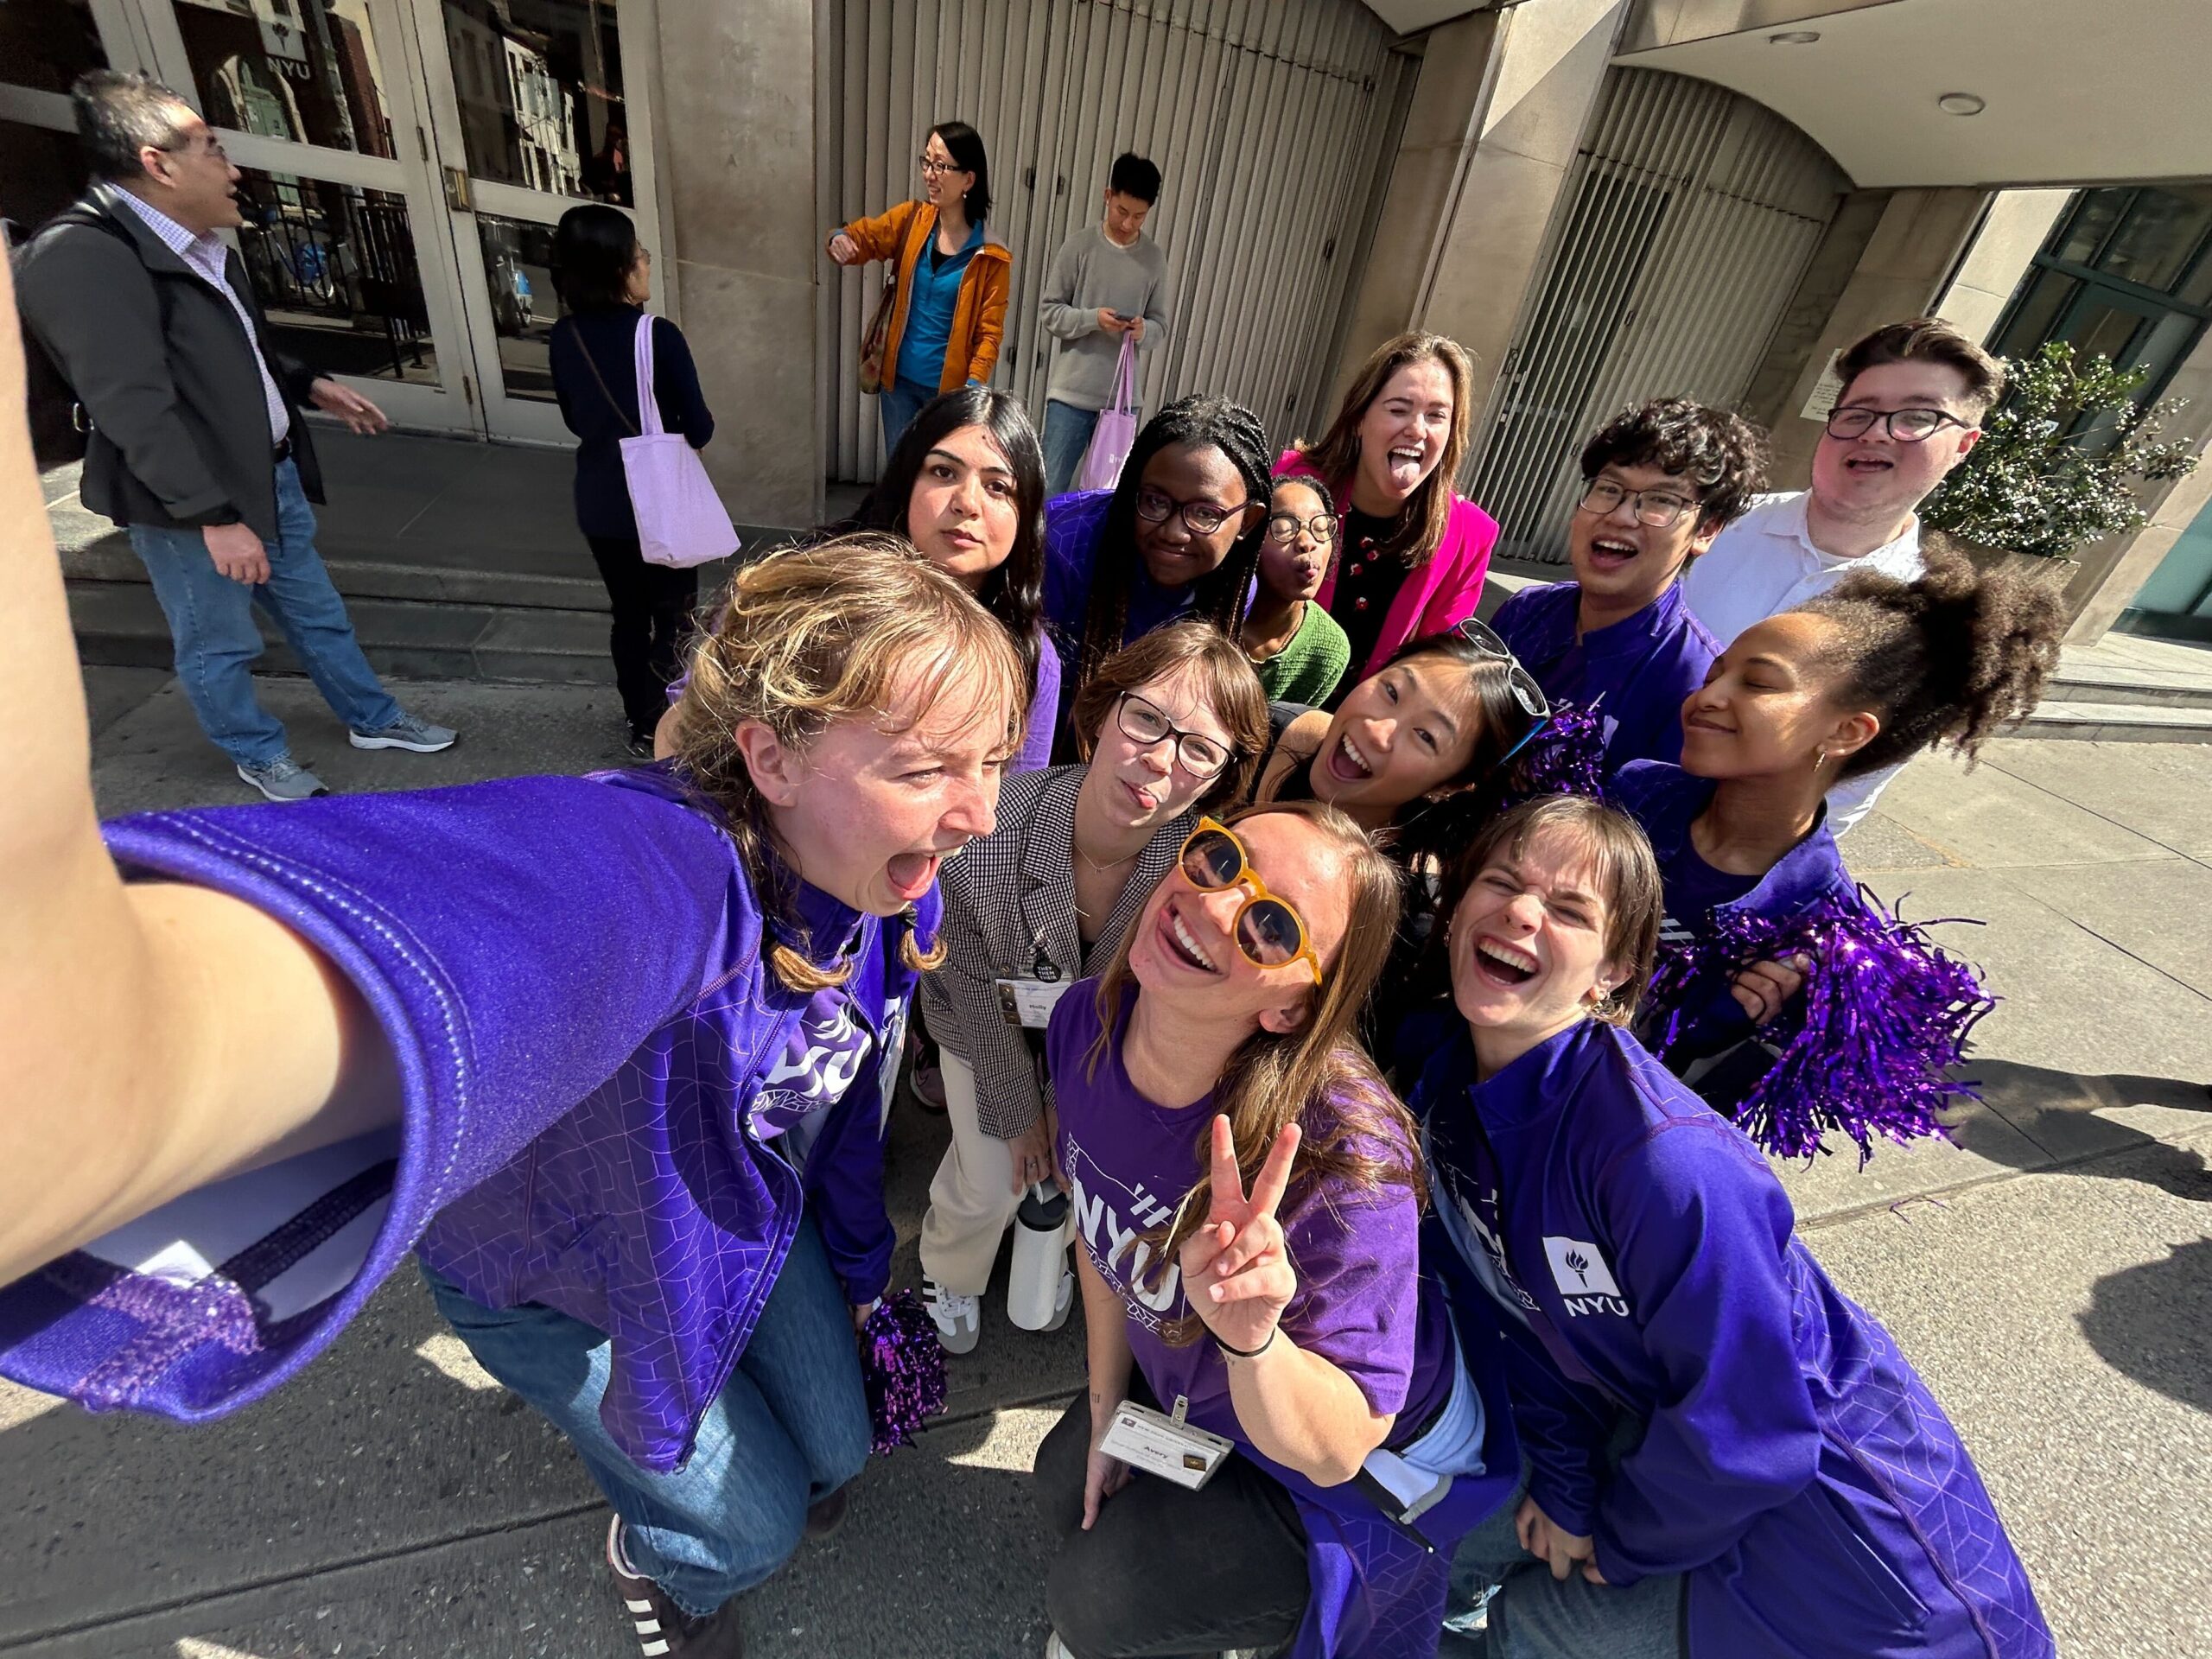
pixel 1567 757
pixel 1867 1045
pixel 902 1363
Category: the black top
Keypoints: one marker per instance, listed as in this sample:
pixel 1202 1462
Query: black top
pixel 1367 581
pixel 602 496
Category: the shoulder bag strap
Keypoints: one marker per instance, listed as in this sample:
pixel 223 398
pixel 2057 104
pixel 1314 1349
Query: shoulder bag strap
pixel 583 348
pixel 648 408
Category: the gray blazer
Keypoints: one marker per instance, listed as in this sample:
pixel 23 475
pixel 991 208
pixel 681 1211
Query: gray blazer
pixel 180 436
pixel 1008 898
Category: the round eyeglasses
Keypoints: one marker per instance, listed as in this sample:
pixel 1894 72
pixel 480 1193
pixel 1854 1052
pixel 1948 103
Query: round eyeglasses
pixel 1196 753
pixel 1284 527
pixel 1905 425
pixel 1199 517
pixel 1661 509
pixel 1267 930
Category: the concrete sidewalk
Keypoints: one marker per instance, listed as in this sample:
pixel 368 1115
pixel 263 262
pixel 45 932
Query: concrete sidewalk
pixel 2051 1274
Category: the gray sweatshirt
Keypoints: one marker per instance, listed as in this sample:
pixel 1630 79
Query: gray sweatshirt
pixel 1090 274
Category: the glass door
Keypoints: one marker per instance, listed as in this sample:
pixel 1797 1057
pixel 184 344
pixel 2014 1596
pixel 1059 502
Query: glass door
pixel 318 102
pixel 530 113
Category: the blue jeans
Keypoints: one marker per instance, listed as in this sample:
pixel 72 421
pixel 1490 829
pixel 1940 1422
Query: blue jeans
pixel 897 405
pixel 1067 435
pixel 788 1428
pixel 210 621
pixel 1534 1616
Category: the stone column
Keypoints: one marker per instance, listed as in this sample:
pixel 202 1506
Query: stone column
pixel 734 146
pixel 2014 229
pixel 1503 99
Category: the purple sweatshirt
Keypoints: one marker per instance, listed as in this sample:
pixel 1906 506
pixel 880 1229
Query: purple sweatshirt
pixel 1641 1259
pixel 597 1070
pixel 1361 1304
pixel 1643 667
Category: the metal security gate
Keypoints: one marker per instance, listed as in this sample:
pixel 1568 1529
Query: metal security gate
pixel 1268 118
pixel 1690 217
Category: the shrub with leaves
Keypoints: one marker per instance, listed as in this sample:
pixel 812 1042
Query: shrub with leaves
pixel 2056 457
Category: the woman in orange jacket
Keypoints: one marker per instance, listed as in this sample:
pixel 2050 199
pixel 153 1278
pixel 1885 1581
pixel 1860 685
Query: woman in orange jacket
pixel 949 313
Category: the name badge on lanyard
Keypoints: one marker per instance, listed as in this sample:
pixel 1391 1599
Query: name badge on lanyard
pixel 1028 1002
pixel 1164 1446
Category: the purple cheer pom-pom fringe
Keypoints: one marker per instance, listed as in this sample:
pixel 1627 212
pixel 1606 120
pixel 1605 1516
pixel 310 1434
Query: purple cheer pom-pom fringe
pixel 902 1363
pixel 1866 1046
pixel 1566 757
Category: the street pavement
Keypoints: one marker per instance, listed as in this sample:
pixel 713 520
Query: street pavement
pixel 2050 1272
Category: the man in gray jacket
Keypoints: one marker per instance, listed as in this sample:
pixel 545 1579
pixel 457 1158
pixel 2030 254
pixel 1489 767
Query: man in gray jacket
pixel 196 447
pixel 1108 281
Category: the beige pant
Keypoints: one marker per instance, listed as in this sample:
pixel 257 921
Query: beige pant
pixel 972 1196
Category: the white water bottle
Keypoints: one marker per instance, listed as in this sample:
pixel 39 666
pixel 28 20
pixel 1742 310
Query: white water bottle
pixel 1040 1258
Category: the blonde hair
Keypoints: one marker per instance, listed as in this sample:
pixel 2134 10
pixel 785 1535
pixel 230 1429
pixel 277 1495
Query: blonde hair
pixel 1427 515
pixel 856 627
pixel 1273 1078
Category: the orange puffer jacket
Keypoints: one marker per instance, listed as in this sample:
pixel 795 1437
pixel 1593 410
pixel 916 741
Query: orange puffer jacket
pixel 978 317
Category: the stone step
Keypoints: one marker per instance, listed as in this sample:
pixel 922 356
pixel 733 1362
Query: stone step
pixel 117 624
pixel 2120 723
pixel 2122 686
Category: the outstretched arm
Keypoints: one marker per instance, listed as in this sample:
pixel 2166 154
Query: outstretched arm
pixel 155 1036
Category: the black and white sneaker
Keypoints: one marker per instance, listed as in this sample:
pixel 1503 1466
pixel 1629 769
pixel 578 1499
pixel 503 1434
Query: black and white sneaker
pixel 664 1629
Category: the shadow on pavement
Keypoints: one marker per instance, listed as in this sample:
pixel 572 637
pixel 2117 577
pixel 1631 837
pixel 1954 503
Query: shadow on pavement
pixel 2154 1323
pixel 2065 1117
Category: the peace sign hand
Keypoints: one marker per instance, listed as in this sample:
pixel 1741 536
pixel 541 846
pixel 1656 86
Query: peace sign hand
pixel 1236 1271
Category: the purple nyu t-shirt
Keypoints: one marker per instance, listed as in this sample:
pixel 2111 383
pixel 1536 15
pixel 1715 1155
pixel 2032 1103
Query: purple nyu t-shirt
pixel 1129 1162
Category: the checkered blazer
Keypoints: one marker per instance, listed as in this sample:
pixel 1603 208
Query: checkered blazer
pixel 1009 899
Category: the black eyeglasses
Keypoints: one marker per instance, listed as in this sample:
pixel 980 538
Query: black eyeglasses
pixel 1199 517
pixel 1661 509
pixel 1195 752
pixel 212 147
pixel 1905 425
pixel 1284 527
pixel 931 166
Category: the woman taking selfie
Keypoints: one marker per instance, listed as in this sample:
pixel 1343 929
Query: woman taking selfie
pixel 1727 1458
pixel 948 310
pixel 1168 726
pixel 1248 1201
pixel 1413 553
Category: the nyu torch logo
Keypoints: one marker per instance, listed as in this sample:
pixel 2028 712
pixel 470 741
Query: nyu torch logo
pixel 1584 1282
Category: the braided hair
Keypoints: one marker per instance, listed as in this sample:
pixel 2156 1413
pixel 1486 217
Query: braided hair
pixel 1945 659
pixel 1193 423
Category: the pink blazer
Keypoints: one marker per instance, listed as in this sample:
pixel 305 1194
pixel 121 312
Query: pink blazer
pixel 1443 589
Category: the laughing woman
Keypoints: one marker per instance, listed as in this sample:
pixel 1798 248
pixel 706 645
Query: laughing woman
pixel 1247 1197
pixel 1864 676
pixel 1170 725
pixel 1727 1458
pixel 1414 552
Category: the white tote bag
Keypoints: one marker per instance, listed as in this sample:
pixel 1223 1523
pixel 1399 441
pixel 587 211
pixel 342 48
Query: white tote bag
pixel 681 521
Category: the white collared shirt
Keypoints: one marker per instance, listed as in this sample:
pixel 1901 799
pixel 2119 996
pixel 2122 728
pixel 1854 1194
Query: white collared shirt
pixel 206 255
pixel 1765 564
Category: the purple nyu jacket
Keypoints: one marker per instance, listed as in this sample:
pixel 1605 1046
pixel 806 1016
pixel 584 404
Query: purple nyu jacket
pixel 570 973
pixel 1635 675
pixel 1642 1258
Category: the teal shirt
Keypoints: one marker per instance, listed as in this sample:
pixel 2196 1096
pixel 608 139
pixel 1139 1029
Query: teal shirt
pixel 1307 668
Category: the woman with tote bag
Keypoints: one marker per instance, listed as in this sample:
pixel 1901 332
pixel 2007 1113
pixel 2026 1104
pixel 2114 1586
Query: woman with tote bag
pixel 604 275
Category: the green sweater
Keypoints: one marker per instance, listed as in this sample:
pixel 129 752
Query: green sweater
pixel 1307 668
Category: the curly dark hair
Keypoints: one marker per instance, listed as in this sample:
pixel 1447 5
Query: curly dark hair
pixel 1722 455
pixel 1197 423
pixel 1945 659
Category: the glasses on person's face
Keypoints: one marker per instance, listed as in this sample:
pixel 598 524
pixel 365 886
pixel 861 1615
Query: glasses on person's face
pixel 932 166
pixel 1267 930
pixel 1661 509
pixel 1905 425
pixel 205 144
pixel 1284 527
pixel 1199 517
pixel 1197 753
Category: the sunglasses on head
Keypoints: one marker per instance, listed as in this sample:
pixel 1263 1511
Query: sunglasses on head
pixel 1518 680
pixel 1267 930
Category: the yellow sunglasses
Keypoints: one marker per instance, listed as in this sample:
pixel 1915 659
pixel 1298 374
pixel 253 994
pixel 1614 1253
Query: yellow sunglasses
pixel 1267 930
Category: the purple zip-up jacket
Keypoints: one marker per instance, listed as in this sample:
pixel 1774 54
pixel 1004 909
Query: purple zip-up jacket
pixel 1643 667
pixel 1791 1463
pixel 570 973
pixel 1665 800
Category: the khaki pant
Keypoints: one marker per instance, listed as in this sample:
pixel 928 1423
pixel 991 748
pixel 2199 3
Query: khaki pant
pixel 972 1196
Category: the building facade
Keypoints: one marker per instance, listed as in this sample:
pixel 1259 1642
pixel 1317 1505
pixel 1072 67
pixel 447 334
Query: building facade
pixel 1603 199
